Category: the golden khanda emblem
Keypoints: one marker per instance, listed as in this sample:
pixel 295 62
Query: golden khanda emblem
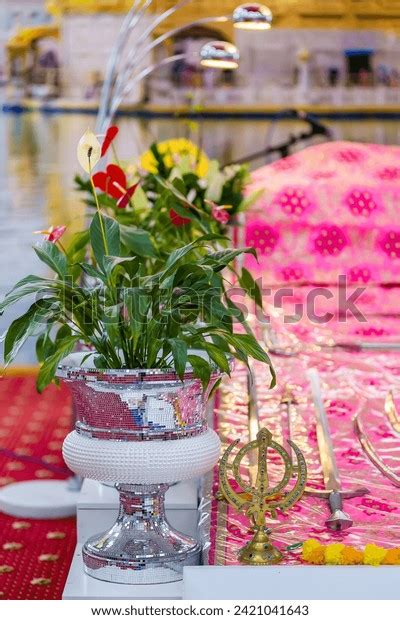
pixel 261 499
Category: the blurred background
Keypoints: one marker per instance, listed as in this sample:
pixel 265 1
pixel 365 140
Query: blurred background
pixel 337 60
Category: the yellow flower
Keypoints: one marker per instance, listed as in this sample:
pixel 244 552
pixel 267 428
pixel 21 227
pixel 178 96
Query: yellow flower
pixel 392 557
pixel 333 553
pixel 313 552
pixel 88 151
pixel 337 553
pixel 352 556
pixel 374 555
pixel 174 151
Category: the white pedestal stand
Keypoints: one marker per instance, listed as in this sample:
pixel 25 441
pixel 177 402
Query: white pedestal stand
pixel 40 499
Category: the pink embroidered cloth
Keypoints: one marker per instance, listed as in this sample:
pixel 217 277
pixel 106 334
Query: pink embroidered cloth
pixel 327 193
pixel 331 207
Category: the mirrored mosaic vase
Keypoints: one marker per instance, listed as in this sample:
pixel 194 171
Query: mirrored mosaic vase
pixel 144 430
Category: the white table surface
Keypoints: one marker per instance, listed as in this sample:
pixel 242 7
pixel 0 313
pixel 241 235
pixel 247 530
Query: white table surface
pixel 291 583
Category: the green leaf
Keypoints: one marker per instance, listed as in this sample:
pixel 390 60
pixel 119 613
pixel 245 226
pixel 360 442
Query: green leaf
pixel 20 330
pixel 180 253
pixel 248 283
pixel 178 195
pixel 201 369
pixel 138 241
pixel 49 367
pixel 159 159
pixel 249 345
pixel 78 243
pixel 221 343
pixel 21 289
pixel 237 313
pixel 215 388
pixel 53 257
pixel 216 182
pixel 76 252
pixel 28 280
pixel 64 332
pixel 179 354
pixel 185 164
pixel 139 199
pixel 251 199
pixel 44 346
pixel 192 275
pixel 224 257
pixel 112 237
pixel 217 356
pixel 92 271
pixel 137 302
pixel 100 362
pixel 110 262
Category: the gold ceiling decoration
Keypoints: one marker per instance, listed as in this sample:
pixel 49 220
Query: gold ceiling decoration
pixel 58 7
pixel 345 14
pixel 22 40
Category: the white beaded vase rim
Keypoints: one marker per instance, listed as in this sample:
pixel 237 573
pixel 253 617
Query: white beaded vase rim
pixel 136 374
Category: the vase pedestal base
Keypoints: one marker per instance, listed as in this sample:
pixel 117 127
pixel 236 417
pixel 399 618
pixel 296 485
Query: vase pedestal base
pixel 141 547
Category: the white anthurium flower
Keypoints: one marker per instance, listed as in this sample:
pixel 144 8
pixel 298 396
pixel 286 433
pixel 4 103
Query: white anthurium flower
pixel 191 195
pixel 88 151
pixel 230 171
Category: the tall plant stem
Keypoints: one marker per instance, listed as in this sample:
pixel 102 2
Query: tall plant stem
pixel 103 232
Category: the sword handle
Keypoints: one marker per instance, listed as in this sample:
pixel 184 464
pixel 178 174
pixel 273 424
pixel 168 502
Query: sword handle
pixel 339 520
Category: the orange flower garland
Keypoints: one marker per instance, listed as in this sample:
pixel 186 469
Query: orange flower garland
pixel 338 554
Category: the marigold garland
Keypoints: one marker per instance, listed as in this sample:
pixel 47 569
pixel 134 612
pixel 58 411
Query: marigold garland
pixel 314 552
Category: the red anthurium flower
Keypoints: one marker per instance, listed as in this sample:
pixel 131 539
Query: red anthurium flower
pixel 124 200
pixel 110 136
pixel 112 182
pixel 55 233
pixel 220 214
pixel 52 234
pixel 178 220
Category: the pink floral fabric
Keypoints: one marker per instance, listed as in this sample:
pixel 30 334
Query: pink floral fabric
pixel 330 209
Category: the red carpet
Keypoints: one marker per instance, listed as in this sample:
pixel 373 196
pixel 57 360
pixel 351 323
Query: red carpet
pixel 34 555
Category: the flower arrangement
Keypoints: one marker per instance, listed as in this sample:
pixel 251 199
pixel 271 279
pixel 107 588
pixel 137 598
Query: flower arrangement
pixel 314 552
pixel 104 296
pixel 172 196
